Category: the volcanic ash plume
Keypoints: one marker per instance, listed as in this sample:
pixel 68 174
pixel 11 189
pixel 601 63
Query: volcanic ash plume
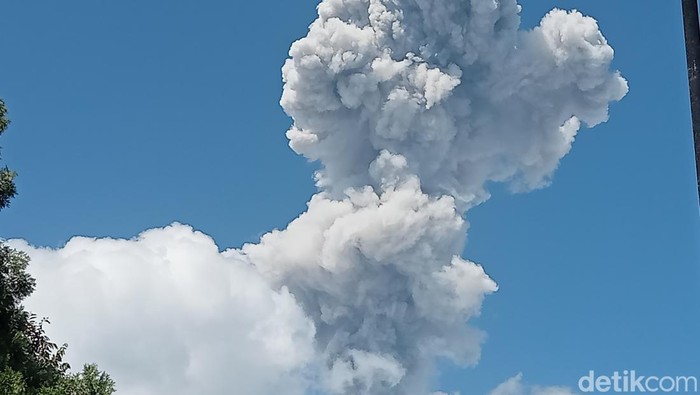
pixel 411 107
pixel 450 85
pixel 378 274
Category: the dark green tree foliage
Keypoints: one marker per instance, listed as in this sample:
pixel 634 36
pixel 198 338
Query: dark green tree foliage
pixel 24 347
pixel 30 364
pixel 7 185
pixel 88 382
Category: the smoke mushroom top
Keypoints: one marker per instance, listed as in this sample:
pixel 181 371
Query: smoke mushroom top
pixel 412 107
pixel 452 86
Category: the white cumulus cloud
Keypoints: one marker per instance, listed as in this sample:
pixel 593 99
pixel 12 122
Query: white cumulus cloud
pixel 166 313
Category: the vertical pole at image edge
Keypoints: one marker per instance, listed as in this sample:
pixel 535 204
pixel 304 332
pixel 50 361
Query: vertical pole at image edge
pixel 692 50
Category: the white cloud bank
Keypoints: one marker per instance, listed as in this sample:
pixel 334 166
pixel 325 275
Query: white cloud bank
pixel 166 313
pixel 412 107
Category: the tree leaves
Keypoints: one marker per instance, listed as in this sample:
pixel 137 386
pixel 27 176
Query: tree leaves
pixel 7 185
pixel 4 121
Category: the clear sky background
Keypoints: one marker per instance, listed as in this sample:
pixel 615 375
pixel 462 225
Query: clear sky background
pixel 130 115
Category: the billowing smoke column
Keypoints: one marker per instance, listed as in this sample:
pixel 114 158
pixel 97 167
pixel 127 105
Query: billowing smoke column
pixel 451 85
pixel 412 107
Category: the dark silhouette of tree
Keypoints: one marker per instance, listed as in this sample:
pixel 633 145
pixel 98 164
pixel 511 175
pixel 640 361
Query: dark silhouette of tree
pixel 7 185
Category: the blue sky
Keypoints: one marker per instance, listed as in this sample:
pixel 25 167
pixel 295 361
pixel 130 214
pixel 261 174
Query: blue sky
pixel 128 116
